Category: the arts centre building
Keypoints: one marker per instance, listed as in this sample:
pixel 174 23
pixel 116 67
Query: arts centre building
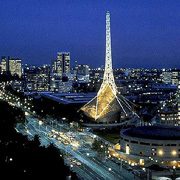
pixel 147 145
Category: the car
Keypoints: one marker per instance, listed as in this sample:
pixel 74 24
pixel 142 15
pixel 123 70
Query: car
pixel 78 163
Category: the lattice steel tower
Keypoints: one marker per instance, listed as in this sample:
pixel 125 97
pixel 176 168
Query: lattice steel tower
pixel 108 73
pixel 108 102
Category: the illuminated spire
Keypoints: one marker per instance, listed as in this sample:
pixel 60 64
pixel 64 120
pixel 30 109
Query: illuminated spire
pixel 107 105
pixel 108 73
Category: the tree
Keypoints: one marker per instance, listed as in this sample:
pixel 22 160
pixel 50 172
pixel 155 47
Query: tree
pixel 22 158
pixel 99 147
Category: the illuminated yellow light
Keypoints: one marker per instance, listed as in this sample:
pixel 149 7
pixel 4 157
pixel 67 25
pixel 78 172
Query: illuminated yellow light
pixel 174 152
pixel 102 107
pixel 160 152
pixel 106 102
pixel 132 164
pixel 141 162
pixel 174 162
pixel 117 146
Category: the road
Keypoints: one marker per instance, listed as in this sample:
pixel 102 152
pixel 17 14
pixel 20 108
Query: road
pixel 73 144
pixel 92 165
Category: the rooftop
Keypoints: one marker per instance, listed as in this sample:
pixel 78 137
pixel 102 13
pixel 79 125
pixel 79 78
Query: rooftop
pixel 154 132
pixel 69 98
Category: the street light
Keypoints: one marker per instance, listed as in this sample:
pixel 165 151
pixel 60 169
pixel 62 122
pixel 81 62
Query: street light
pixel 69 177
pixel 174 172
pixel 40 123
pixel 174 153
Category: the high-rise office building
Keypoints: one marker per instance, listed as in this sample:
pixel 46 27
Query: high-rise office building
pixel 64 57
pixel 61 66
pixel 4 64
pixel 15 66
pixel 12 65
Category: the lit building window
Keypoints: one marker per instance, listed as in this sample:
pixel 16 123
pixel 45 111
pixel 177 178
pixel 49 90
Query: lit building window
pixel 160 152
pixel 141 162
pixel 127 149
pixel 174 152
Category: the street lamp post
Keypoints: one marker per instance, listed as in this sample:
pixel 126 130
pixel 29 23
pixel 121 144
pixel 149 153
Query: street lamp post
pixel 174 172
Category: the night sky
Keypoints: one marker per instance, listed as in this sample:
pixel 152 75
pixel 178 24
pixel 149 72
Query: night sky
pixel 145 33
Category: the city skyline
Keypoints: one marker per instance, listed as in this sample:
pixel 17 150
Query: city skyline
pixel 74 121
pixel 144 34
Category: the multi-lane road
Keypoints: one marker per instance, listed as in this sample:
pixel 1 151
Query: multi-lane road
pixel 74 145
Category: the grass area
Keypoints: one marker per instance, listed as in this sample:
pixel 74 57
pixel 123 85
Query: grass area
pixel 113 138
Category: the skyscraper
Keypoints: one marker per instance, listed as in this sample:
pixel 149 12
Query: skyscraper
pixel 15 66
pixel 4 64
pixel 12 65
pixel 61 66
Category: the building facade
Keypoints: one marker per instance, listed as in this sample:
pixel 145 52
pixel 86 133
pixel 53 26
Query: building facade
pixel 15 66
pixel 82 73
pixel 61 66
pixel 147 145
pixel 11 65
pixel 4 64
pixel 37 78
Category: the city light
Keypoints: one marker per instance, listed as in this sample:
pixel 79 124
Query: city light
pixel 127 149
pixel 174 152
pixel 160 152
pixel 40 123
pixel 103 123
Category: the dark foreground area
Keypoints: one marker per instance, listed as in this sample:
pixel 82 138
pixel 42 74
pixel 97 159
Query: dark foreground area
pixel 22 158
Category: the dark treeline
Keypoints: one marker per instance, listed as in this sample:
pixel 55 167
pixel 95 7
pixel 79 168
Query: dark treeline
pixel 22 158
